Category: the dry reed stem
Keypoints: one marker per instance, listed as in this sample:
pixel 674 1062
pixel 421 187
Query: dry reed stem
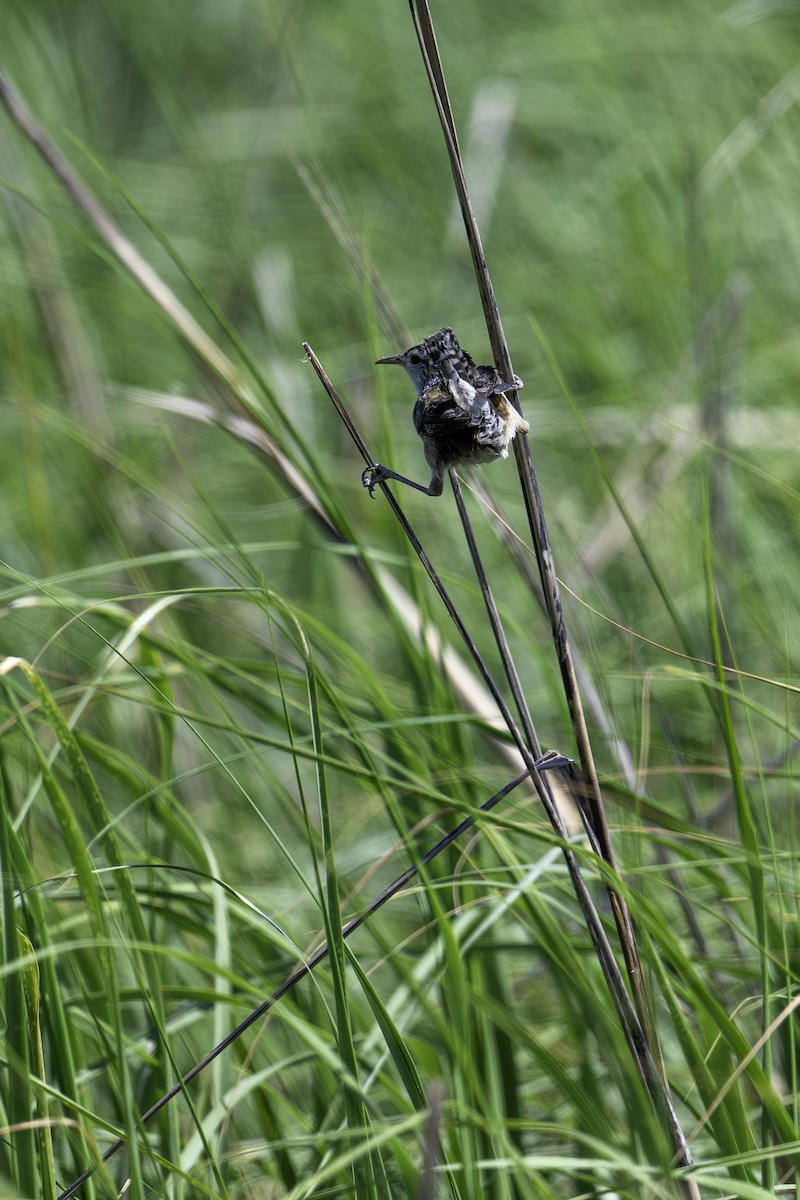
pixel 635 1035
pixel 599 832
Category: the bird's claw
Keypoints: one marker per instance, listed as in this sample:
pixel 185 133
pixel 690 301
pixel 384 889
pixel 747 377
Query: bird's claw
pixel 502 387
pixel 371 477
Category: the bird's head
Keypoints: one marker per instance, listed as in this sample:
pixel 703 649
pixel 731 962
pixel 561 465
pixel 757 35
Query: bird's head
pixel 439 354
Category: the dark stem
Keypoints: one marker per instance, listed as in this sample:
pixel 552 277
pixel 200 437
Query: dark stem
pixel 590 785
pixel 509 665
pixel 637 1040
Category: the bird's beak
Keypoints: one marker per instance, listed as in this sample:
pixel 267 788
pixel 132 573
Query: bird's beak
pixel 393 358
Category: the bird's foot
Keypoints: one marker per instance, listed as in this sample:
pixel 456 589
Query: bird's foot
pixel 371 477
pixel 502 387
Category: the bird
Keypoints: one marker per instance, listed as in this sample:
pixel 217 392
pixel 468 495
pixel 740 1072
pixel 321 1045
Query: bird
pixel 462 412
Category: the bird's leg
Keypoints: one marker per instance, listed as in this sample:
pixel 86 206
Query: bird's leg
pixel 372 476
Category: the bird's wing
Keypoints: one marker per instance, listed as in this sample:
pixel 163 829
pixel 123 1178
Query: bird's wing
pixel 438 415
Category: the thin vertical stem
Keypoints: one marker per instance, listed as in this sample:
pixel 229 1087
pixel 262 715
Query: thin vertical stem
pixel 590 784
pixel 509 666
pixel 635 1034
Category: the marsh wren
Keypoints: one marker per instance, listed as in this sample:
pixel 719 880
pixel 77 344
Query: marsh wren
pixel 461 414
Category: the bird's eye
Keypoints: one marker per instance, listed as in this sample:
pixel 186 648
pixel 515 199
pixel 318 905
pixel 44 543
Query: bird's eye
pixel 414 359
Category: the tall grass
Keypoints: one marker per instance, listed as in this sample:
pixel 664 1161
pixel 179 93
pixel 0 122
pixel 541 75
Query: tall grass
pixel 232 708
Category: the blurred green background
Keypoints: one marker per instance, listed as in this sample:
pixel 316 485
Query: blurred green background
pixel 635 169
pixel 635 172
pixel 631 165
